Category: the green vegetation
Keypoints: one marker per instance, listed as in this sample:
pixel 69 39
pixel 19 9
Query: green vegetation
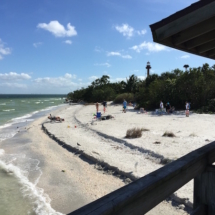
pixel 195 85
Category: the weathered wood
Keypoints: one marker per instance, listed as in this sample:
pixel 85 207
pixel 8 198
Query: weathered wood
pixel 200 40
pixel 206 47
pixel 211 53
pixel 204 190
pixel 195 31
pixel 200 210
pixel 210 168
pixel 144 194
pixel 186 21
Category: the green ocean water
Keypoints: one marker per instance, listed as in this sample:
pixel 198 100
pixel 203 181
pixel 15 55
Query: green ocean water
pixel 19 196
pixel 13 106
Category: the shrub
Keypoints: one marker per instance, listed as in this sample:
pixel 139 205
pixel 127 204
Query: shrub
pixel 145 129
pixel 168 134
pixel 134 133
pixel 129 97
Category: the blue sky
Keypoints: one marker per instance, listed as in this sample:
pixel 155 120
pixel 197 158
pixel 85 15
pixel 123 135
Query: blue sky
pixel 53 46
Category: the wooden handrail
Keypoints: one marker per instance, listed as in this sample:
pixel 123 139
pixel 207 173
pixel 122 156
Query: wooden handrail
pixel 145 193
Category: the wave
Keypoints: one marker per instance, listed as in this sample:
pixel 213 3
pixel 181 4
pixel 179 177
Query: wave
pixel 55 99
pixel 4 136
pixel 5 125
pixel 9 110
pixel 37 102
pixel 22 117
pixel 3 104
pixel 15 165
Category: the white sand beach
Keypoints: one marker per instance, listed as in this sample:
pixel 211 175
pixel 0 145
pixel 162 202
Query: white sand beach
pixel 105 141
pixel 71 180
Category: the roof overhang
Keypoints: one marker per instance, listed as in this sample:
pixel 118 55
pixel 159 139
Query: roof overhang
pixel 191 29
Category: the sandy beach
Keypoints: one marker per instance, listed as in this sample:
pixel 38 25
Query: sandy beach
pixel 105 142
pixel 102 159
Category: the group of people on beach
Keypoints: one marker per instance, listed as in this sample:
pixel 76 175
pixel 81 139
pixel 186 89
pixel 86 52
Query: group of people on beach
pixel 170 109
pixel 104 104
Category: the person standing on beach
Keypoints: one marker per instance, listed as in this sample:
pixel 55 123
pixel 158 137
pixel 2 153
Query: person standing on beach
pixel 168 107
pixel 97 107
pixel 187 107
pixel 104 103
pixel 161 105
pixel 124 106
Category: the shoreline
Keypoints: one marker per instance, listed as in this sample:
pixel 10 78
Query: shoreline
pixel 86 159
pixel 65 178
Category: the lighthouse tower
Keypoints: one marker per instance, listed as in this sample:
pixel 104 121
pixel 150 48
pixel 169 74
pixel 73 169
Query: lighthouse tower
pixel 148 67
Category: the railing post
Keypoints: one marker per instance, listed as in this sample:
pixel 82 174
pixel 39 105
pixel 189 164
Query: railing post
pixel 204 192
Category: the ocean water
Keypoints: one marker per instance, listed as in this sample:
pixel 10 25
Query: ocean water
pixel 18 195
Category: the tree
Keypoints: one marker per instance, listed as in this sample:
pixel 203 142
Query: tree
pixel 186 66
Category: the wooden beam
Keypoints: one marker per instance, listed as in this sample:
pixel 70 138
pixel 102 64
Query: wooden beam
pixel 204 190
pixel 211 53
pixel 200 210
pixel 206 47
pixel 200 40
pixel 186 21
pixel 168 42
pixel 195 31
pixel 142 195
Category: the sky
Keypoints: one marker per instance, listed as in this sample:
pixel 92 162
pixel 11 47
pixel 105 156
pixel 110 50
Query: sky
pixel 58 46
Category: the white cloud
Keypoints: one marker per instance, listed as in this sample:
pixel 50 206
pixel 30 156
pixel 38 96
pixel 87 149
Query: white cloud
pixel 126 56
pixel 125 30
pixel 67 75
pixel 142 32
pixel 185 56
pixel 63 81
pixel 80 79
pixel 37 44
pixel 113 80
pixel 13 85
pixel 92 78
pixel 57 29
pixel 13 76
pixel 113 54
pixel 102 64
pixel 68 42
pixel 128 31
pixel 4 50
pixel 142 77
pixel 151 47
pixel 119 54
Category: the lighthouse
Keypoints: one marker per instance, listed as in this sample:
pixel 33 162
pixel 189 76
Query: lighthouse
pixel 148 67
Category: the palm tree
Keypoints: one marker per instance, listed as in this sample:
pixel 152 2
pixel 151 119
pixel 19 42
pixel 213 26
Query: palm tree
pixel 186 66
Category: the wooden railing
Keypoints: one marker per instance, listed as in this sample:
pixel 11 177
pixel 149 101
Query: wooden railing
pixel 140 196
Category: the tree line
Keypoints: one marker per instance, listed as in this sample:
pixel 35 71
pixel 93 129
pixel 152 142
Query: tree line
pixel 195 85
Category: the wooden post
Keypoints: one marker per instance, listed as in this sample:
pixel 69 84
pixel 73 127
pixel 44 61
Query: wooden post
pixel 204 191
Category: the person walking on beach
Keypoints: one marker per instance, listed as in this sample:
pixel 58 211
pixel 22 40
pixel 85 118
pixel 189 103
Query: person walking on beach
pixel 161 108
pixel 168 107
pixel 124 106
pixel 104 103
pixel 161 105
pixel 187 107
pixel 97 107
